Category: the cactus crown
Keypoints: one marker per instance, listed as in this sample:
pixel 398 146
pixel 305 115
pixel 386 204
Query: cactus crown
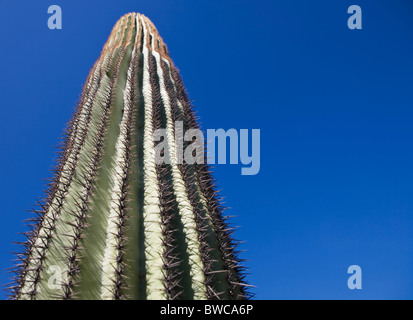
pixel 115 224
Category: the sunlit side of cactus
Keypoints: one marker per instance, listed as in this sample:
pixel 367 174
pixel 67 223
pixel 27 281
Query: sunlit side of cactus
pixel 115 224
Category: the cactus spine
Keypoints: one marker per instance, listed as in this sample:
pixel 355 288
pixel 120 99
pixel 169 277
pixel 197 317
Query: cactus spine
pixel 115 224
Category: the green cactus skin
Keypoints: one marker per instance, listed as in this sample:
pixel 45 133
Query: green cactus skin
pixel 116 224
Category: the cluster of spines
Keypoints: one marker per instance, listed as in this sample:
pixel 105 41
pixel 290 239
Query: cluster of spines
pixel 196 251
pixel 65 149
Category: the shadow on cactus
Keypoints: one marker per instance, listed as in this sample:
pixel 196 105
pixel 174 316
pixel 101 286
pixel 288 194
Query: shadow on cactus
pixel 115 223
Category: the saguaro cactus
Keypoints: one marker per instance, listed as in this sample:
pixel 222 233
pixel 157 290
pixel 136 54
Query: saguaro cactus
pixel 116 224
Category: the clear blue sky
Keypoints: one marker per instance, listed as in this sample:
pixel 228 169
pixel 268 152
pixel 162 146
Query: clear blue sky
pixel 335 109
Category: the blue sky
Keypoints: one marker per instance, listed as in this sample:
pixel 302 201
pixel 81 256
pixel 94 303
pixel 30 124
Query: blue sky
pixel 334 107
